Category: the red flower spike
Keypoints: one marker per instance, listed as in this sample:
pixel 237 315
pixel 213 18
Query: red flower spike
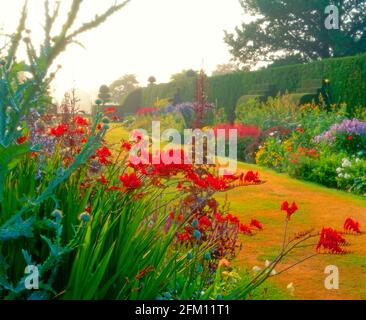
pixel 243 228
pixel 110 110
pixel 126 146
pixel 60 130
pixel 351 225
pixel 103 180
pixel 256 224
pixel 330 241
pixel 204 222
pixel 21 140
pixel 81 121
pixel 130 181
pixel 290 210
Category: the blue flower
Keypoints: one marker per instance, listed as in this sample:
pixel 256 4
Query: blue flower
pixel 207 256
pixel 197 234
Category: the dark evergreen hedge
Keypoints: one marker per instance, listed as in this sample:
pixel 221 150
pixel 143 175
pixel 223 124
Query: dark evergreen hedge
pixel 347 76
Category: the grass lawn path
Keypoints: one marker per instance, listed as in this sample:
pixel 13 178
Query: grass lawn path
pixel 319 207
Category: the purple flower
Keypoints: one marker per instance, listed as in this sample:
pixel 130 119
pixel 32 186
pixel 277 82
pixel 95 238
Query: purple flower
pixel 347 127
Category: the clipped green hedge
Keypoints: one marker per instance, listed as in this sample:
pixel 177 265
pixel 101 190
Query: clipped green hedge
pixel 347 76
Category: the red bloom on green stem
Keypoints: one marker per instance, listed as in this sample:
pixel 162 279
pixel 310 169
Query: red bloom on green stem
pixel 290 210
pixel 103 180
pixel 59 130
pixel 251 177
pixel 350 138
pixel 179 217
pixel 110 110
pixel 330 241
pixel 81 121
pixel 351 225
pixel 204 222
pixel 245 229
pixel 130 181
pixel 21 140
pixel 256 224
pixel 232 219
pixel 103 154
pixel 126 146
pixel 220 218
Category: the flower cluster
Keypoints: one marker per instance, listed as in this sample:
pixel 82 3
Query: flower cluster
pixel 351 225
pixel 147 111
pixel 349 128
pixel 289 209
pixel 243 131
pixel 331 241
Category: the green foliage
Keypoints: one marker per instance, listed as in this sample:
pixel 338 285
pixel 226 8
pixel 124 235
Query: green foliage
pixel 122 87
pixel 346 75
pixel 294 31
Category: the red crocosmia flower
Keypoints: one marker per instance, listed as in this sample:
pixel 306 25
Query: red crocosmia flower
pixel 232 219
pixel 204 222
pixel 81 121
pixel 243 228
pixel 312 153
pixel 179 186
pixel 88 209
pixel 99 126
pixel 290 210
pixel 351 225
pixel 250 177
pixel 300 130
pixel 21 140
pixel 127 146
pixel 184 236
pixel 60 130
pixel 144 111
pixel 256 224
pixel 84 140
pixel 330 241
pixel 103 152
pixel 220 218
pixel 179 217
pixel 130 181
pixel 350 138
pixel 110 110
pixel 103 180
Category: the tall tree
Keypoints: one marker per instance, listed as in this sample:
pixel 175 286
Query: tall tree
pixel 295 31
pixel 123 86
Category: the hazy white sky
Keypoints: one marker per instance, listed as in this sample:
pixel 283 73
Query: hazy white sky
pixel 148 37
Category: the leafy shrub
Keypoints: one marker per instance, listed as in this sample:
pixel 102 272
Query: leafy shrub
pixel 352 175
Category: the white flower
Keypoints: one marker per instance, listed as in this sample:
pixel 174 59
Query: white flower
pixel 346 163
pixel 268 264
pixel 291 288
pixel 347 176
pixel 257 269
pixel 341 175
pixel 339 170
